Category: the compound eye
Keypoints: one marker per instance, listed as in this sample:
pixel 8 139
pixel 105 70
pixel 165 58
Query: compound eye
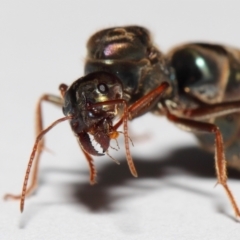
pixel 102 88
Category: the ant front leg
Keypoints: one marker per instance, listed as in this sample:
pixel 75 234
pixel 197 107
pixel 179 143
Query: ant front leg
pixel 142 105
pixel 138 108
pixel 39 129
pixel 220 162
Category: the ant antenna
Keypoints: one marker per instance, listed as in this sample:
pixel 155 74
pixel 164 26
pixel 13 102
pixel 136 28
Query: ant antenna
pixel 32 156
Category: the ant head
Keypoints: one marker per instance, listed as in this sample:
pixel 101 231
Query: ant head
pixel 91 101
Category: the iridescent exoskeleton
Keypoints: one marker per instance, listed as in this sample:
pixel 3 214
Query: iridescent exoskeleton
pixel 195 86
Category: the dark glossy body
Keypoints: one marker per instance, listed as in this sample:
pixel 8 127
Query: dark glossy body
pixel 198 74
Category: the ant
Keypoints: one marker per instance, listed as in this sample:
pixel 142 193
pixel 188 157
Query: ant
pixel 195 86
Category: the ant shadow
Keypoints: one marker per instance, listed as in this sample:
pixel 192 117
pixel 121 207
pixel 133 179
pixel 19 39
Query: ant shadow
pixel 190 160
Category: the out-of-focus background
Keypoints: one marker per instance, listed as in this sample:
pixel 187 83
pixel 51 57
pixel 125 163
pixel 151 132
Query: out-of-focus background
pixel 42 44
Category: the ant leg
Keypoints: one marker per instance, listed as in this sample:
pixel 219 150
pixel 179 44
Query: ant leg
pixel 220 162
pixel 39 128
pixel 138 108
pixel 143 104
pixel 93 172
pixel 206 111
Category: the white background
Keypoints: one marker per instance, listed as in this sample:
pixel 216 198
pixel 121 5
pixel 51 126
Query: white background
pixel 42 44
